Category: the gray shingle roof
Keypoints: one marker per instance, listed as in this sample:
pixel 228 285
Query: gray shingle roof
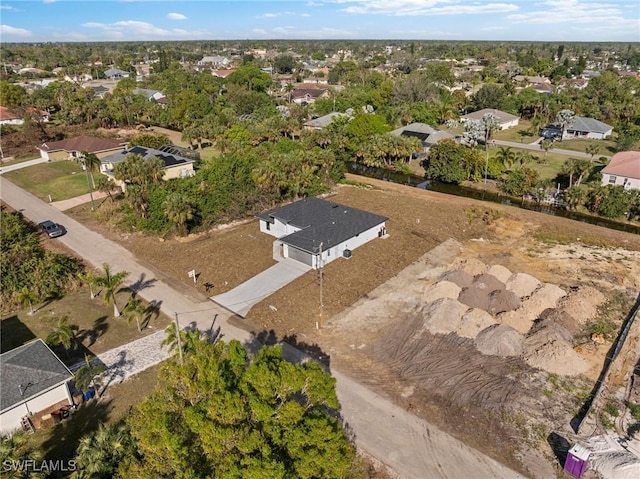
pixel 321 221
pixel 147 153
pixel 426 133
pixel 502 116
pixel 324 121
pixel 581 123
pixel 27 371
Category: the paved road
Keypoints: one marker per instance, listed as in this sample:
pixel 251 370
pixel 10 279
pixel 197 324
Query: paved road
pixel 408 445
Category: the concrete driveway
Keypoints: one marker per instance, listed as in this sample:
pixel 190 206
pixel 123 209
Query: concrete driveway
pixel 24 164
pixel 243 297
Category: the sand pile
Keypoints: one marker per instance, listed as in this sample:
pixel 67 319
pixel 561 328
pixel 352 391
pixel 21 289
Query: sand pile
pixel 611 460
pixel 501 301
pixel 478 295
pixel 441 289
pixel 500 340
pixel 548 347
pixel 461 278
pixel 562 318
pixel 443 316
pixel 474 321
pixel 500 272
pixel 472 266
pixel 522 284
pixel 522 318
pixel 582 303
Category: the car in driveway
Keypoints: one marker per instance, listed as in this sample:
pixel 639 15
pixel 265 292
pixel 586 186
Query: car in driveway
pixel 52 229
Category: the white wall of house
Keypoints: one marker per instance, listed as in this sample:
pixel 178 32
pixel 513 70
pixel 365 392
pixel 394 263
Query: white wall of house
pixel 628 183
pixel 587 134
pixel 10 420
pixel 277 228
pixel 509 124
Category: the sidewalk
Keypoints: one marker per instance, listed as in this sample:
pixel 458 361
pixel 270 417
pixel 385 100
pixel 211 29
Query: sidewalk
pixel 64 205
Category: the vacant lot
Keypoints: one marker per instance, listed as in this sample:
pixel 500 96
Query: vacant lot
pixel 55 181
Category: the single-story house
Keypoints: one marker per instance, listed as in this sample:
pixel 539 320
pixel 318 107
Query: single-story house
pixel 623 170
pixel 306 96
pixel 72 147
pixel 316 231
pixel 114 73
pixel 583 127
pixel 213 62
pixel 505 120
pixel 323 121
pixel 10 117
pixel 222 73
pixel 151 95
pixel 33 379
pixel 175 165
pixel 426 133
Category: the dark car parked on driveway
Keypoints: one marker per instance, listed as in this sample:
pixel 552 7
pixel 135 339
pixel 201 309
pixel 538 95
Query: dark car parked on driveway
pixel 52 229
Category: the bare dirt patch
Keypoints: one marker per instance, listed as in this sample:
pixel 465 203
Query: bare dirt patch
pixel 375 299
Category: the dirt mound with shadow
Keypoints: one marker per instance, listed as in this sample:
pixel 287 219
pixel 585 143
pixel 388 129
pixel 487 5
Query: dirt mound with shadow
pixel 500 340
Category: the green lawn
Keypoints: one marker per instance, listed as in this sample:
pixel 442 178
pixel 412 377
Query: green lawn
pixel 607 147
pixel 98 328
pixel 61 179
pixel 547 169
pixel 517 134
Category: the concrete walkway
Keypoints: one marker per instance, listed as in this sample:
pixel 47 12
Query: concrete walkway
pixel 408 445
pixel 23 164
pixel 64 205
pixel 243 297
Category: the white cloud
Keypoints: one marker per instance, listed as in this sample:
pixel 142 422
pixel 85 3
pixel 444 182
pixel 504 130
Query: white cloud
pixel 282 14
pixel 322 32
pixel 9 8
pixel 176 16
pixel 48 1
pixel 16 32
pixel 424 7
pixel 136 30
pixel 574 11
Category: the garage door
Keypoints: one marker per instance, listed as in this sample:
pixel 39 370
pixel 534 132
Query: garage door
pixel 299 255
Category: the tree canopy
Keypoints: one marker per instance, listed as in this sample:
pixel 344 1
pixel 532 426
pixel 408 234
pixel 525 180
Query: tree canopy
pixel 222 414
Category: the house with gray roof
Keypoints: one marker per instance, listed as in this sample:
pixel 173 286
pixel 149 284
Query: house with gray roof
pixel 175 164
pixel 425 133
pixel 505 120
pixel 115 73
pixel 583 127
pixel 33 379
pixel 323 121
pixel 316 231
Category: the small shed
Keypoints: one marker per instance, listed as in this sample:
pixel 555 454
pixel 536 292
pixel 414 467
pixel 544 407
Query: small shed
pixel 577 460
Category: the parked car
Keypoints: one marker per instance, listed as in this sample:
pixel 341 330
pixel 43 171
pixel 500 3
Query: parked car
pixel 52 229
pixel 552 133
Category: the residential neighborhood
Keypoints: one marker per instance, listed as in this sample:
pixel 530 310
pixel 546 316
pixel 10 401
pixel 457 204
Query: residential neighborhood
pixel 319 257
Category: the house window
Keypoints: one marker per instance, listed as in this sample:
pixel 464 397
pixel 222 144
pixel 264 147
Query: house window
pixel 268 225
pixel 612 180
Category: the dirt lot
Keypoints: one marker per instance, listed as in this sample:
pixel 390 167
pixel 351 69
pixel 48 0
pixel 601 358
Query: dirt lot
pixel 385 336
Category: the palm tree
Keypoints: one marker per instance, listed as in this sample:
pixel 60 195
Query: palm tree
pixel 88 375
pixel 592 150
pixel 98 454
pixel 105 185
pixel 575 166
pixel 506 156
pixel 135 309
pixel 92 163
pixel 15 450
pixel 27 296
pixel 111 282
pixel 565 118
pixel 546 145
pixel 178 211
pixel 188 339
pixel 65 335
pixel 91 280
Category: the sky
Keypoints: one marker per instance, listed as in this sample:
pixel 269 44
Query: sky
pixel 138 20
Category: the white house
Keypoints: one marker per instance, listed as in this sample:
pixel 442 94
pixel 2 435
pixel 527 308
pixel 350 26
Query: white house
pixel 583 127
pixel 623 170
pixel 505 120
pixel 315 231
pixel 33 379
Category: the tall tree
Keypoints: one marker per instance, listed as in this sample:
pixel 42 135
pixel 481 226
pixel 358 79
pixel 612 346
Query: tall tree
pixel 565 119
pixel 88 375
pixel 99 453
pixel 221 414
pixel 111 281
pixel 26 296
pixel 65 335
pixel 135 310
pixel 90 279
pixel 178 211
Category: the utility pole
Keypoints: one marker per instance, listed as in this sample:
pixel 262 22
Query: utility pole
pixel 86 172
pixel 178 338
pixel 321 299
